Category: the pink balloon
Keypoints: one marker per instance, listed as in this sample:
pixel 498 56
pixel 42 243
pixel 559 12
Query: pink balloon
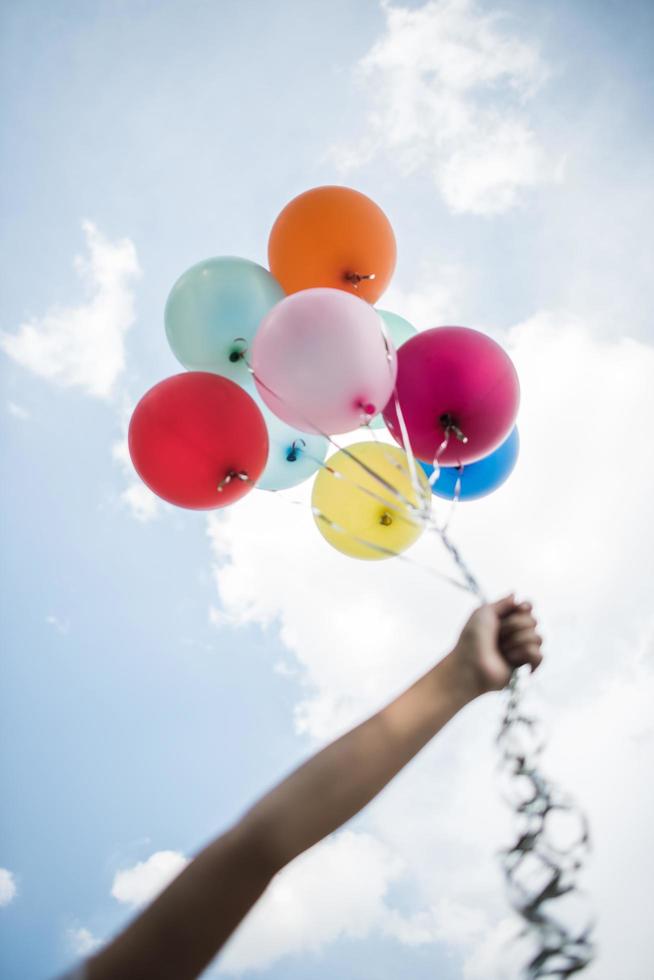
pixel 459 376
pixel 320 361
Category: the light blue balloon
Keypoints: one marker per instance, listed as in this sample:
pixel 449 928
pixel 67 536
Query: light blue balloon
pixel 399 330
pixel 211 305
pixel 293 456
pixel 480 478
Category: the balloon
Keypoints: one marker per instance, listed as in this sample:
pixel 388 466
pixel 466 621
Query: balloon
pixel 480 478
pixel 293 456
pixel 458 380
pixel 333 236
pixel 194 433
pixel 212 305
pixel 321 363
pixel 368 523
pixel 398 330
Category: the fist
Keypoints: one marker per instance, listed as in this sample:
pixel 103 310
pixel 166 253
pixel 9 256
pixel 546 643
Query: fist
pixel 497 638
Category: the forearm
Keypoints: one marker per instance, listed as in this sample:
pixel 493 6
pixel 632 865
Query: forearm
pixel 178 935
pixel 183 929
pixel 340 780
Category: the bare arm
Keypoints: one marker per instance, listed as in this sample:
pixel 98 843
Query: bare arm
pixel 183 929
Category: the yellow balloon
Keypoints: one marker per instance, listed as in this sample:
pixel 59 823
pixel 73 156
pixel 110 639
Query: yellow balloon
pixel 357 513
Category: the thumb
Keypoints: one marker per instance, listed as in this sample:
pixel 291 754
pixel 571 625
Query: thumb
pixel 504 606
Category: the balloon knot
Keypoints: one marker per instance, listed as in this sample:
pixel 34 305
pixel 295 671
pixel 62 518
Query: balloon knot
pixel 386 519
pixel 355 278
pixel 451 428
pixel 238 353
pixel 232 475
pixel 291 456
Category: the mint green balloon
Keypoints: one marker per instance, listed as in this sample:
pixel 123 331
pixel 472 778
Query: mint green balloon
pixel 399 330
pixel 211 306
pixel 293 455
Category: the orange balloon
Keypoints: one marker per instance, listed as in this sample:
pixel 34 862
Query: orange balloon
pixel 336 237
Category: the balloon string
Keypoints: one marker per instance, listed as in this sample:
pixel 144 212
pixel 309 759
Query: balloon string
pixel 550 872
pixel 406 442
pixel 337 474
pixel 387 552
pixel 536 871
pixel 456 496
pixel 421 495
pixel 355 459
pixel 560 952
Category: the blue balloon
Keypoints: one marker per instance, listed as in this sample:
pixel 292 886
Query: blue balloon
pixel 480 478
pixel 293 456
pixel 212 305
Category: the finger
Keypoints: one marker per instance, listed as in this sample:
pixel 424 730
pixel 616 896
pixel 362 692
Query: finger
pixel 505 605
pixel 520 638
pixel 516 621
pixel 530 654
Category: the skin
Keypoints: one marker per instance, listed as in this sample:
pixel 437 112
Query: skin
pixel 178 935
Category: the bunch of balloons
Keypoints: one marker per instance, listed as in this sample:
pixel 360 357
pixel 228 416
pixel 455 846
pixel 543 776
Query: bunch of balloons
pixel 278 362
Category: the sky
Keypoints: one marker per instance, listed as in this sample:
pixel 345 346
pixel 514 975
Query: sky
pixel 162 668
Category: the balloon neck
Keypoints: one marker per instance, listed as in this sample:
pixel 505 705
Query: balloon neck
pixel 232 475
pixel 451 428
pixel 296 446
pixel 354 278
pixel 386 519
pixel 237 353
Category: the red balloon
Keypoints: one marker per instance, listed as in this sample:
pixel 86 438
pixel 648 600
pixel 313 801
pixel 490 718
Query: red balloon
pixel 449 379
pixel 196 432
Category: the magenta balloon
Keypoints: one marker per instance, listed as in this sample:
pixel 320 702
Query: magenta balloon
pixel 458 374
pixel 320 361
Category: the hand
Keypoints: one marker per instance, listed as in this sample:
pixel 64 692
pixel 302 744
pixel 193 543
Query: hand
pixel 497 638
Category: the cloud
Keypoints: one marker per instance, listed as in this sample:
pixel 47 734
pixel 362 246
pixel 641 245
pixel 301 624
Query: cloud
pixel 83 346
pixel 448 87
pixel 137 885
pixel 335 890
pixel 17 411
pixel 570 529
pixel 8 887
pixel 62 626
pixel 437 300
pixel 82 941
pixel 142 504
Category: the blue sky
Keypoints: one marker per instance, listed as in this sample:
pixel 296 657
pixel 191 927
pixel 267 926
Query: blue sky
pixel 134 720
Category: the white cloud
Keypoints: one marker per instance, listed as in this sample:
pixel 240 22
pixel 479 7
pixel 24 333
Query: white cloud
pixel 335 890
pixel 142 504
pixel 8 887
pixel 62 626
pixel 436 302
pixel 17 411
pixel 83 346
pixel 137 885
pixel 82 941
pixel 448 85
pixel 570 529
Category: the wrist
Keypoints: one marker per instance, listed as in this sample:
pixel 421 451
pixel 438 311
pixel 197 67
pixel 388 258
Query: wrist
pixel 461 679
